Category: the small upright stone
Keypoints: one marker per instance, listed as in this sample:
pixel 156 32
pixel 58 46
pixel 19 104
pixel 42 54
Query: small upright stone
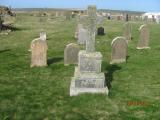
pixel 127 31
pixel 143 42
pixel 38 53
pixel 119 50
pixel 100 31
pixel 71 54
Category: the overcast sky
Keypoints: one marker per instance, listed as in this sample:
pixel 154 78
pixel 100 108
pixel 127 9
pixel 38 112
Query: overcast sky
pixel 134 5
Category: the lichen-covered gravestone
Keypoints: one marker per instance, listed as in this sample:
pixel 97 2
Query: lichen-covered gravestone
pixel 127 31
pixel 143 42
pixel 119 50
pixel 88 77
pixel 38 53
pixel 82 36
pixel 71 54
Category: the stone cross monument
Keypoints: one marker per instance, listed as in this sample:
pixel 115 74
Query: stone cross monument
pixel 88 77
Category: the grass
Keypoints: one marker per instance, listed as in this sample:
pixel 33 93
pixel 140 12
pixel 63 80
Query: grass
pixel 43 93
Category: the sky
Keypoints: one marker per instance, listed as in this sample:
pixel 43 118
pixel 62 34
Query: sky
pixel 133 5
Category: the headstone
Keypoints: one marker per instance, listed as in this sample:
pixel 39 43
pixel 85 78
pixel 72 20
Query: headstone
pixel 82 36
pixel 158 19
pixel 127 18
pixel 127 29
pixel 0 23
pixel 119 50
pixel 79 26
pixel 88 77
pixel 43 35
pixel 71 54
pixel 38 53
pixel 143 42
pixel 57 14
pixel 100 31
pixel 100 20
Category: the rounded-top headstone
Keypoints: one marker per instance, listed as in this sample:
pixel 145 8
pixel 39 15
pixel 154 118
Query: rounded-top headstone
pixel 143 42
pixel 119 50
pixel 71 54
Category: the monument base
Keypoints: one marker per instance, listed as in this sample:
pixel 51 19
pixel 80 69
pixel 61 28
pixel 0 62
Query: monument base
pixel 140 48
pixel 118 61
pixel 87 82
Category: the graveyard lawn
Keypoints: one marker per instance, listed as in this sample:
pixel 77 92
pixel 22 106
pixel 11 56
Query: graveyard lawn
pixel 43 93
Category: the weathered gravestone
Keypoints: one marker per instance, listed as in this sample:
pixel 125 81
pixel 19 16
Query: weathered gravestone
pixel 119 50
pixel 43 36
pixel 82 36
pixel 38 53
pixel 158 19
pixel 79 26
pixel 100 31
pixel 143 42
pixel 1 23
pixel 127 29
pixel 127 18
pixel 88 77
pixel 71 54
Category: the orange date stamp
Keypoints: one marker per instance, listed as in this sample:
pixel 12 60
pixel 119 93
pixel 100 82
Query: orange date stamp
pixel 137 103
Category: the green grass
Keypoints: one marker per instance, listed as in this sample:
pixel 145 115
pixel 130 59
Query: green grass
pixel 43 93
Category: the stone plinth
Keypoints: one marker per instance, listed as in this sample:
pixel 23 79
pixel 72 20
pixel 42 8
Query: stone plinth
pixel 88 77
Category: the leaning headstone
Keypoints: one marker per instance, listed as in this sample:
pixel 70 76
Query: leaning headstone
pixel 119 50
pixel 82 36
pixel 88 77
pixel 100 31
pixel 38 53
pixel 71 54
pixel 127 31
pixel 43 35
pixel 143 42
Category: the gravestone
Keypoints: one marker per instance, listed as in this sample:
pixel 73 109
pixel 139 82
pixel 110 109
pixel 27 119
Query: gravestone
pixel 88 77
pixel 127 29
pixel 127 18
pixel 158 19
pixel 82 36
pixel 71 54
pixel 38 53
pixel 143 42
pixel 119 50
pixel 0 23
pixel 100 31
pixel 100 20
pixel 43 36
pixel 79 26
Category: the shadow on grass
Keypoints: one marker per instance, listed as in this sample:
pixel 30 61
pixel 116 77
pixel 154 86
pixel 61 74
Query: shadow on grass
pixel 12 28
pixel 109 74
pixel 127 58
pixel 6 50
pixel 54 60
